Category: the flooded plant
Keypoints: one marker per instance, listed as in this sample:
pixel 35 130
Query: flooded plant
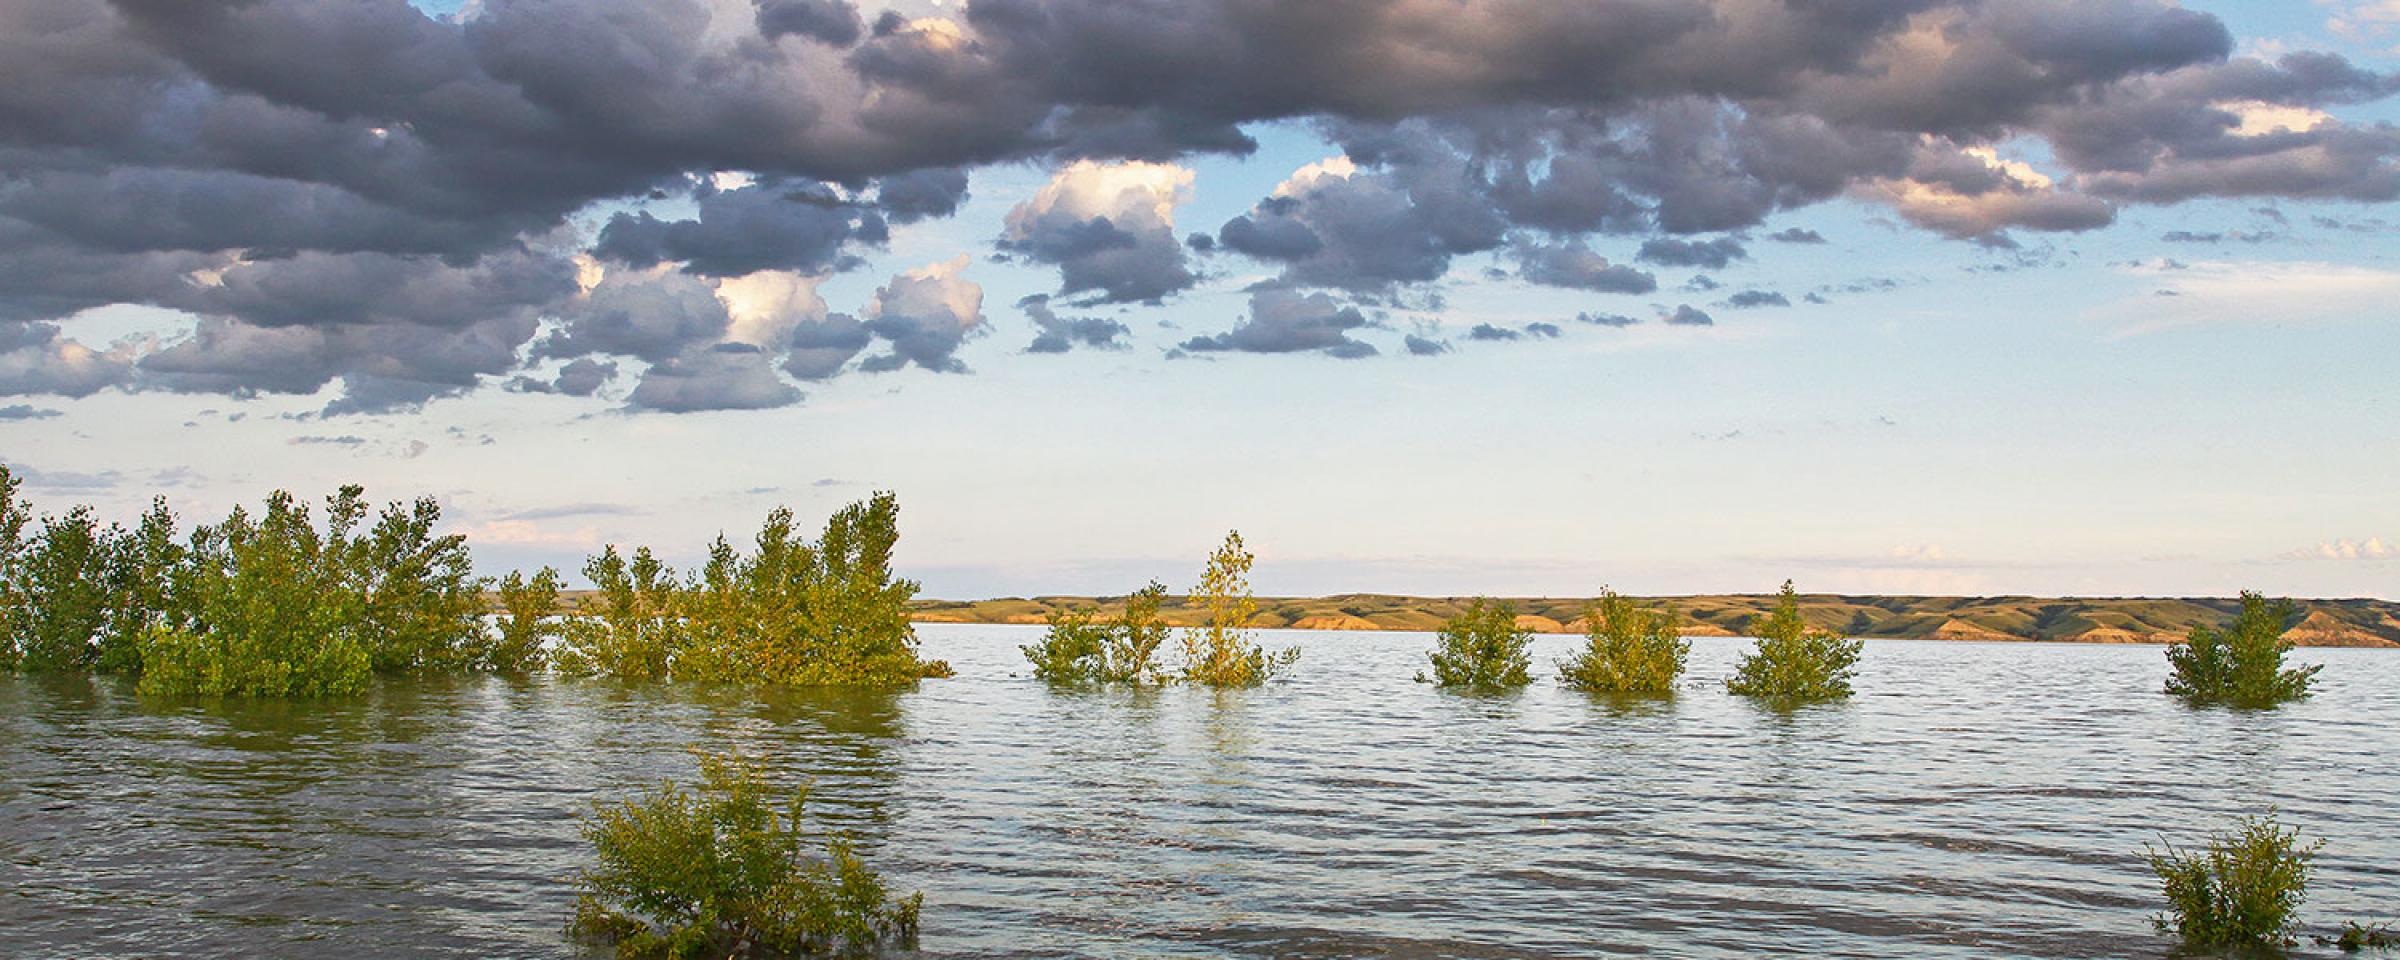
pixel 787 612
pixel 2242 664
pixel 1220 652
pixel 1482 648
pixel 1082 648
pixel 2356 936
pixel 1794 663
pixel 528 622
pixel 724 869
pixel 265 611
pixel 420 606
pixel 1627 649
pixel 2239 891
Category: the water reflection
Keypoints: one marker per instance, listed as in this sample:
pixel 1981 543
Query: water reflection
pixel 1973 800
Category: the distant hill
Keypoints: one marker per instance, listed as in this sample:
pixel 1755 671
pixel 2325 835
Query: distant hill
pixel 2322 623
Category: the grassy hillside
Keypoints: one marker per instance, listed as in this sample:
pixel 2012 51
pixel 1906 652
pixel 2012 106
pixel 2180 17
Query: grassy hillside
pixel 2323 623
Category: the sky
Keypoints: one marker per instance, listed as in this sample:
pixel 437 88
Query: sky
pixel 1422 296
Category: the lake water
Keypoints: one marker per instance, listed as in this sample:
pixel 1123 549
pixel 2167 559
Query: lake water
pixel 1972 801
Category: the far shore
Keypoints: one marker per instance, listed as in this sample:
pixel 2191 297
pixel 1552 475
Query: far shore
pixel 2322 623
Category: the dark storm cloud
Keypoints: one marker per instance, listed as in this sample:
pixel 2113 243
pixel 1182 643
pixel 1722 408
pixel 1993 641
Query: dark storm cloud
pixel 581 377
pixel 825 21
pixel 1061 334
pixel 1109 230
pixel 1285 321
pixel 1687 316
pixel 727 376
pixel 921 194
pixel 1575 266
pixel 649 317
pixel 818 349
pixel 20 411
pixel 349 168
pixel 803 227
pixel 1714 254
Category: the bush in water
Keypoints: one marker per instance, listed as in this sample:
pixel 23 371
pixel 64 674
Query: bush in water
pixel 1082 648
pixel 1794 663
pixel 720 870
pixel 2239 891
pixel 1626 650
pixel 2242 664
pixel 1482 648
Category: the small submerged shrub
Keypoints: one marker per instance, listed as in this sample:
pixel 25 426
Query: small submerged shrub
pixel 266 611
pixel 1220 652
pixel 1794 663
pixel 722 870
pixel 1082 648
pixel 1627 649
pixel 1482 648
pixel 2242 664
pixel 2239 891
pixel 2356 936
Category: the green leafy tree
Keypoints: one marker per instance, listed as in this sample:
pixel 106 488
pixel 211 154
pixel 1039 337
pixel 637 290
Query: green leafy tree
pixel 64 579
pixel 15 515
pixel 143 566
pixel 2242 664
pixel 1794 663
pixel 723 870
pixel 267 613
pixel 1220 652
pixel 1082 648
pixel 420 604
pixel 1627 649
pixel 2240 891
pixel 1482 648
pixel 789 612
pixel 528 622
pixel 628 629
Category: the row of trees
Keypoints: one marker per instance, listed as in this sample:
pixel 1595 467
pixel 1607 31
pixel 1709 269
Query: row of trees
pixel 1631 650
pixel 281 604
pixel 1081 648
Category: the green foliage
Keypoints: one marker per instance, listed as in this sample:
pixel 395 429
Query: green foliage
pixel 1794 663
pixel 2356 936
pixel 2240 891
pixel 1482 648
pixel 789 612
pixel 142 572
pixel 2242 664
pixel 1082 649
pixel 720 871
pixel 1220 652
pixel 1627 649
pixel 420 606
pixel 64 580
pixel 528 622
pixel 14 516
pixel 267 612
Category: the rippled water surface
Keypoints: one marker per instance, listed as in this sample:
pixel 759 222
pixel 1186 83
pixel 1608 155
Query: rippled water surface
pixel 1974 800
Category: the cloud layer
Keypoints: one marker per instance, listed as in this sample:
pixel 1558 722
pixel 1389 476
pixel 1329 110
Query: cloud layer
pixel 359 195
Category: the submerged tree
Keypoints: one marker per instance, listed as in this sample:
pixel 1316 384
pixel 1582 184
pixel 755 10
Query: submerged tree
pixel 1482 648
pixel 1627 649
pixel 420 606
pixel 2242 664
pixel 269 613
pixel 14 516
pixel 2240 891
pixel 788 612
pixel 1220 652
pixel 528 622
pixel 63 580
pixel 723 870
pixel 1083 648
pixel 1794 663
